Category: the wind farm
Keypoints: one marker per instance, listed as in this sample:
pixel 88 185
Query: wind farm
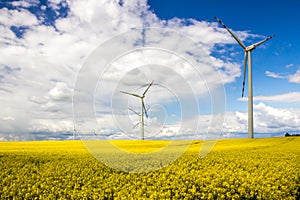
pixel 149 99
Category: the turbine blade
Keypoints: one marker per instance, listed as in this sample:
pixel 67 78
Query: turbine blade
pixel 259 43
pixel 143 104
pixel 135 125
pixel 132 94
pixel 148 88
pixel 244 79
pixel 134 111
pixel 234 36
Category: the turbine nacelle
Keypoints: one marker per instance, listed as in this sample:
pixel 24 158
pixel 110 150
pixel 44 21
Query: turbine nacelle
pixel 250 48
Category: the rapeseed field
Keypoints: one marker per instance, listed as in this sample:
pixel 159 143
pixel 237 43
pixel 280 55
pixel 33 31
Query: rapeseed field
pixel 234 169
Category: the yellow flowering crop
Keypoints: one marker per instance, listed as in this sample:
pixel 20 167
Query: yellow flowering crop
pixel 234 169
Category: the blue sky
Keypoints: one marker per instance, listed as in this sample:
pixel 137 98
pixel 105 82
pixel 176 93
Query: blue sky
pixel 45 46
pixel 279 55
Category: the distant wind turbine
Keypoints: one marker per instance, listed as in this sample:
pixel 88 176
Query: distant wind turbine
pixel 143 109
pixel 247 55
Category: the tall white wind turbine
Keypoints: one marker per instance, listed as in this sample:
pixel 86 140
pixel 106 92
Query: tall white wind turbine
pixel 143 109
pixel 247 56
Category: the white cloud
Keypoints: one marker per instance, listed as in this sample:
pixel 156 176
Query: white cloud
pixel 20 17
pixel 235 122
pixel 267 120
pixel 291 97
pixel 25 3
pixel 54 4
pixel 273 75
pixel 60 92
pixel 40 125
pixel 295 78
pixel 6 118
pixel 289 65
pixel 270 119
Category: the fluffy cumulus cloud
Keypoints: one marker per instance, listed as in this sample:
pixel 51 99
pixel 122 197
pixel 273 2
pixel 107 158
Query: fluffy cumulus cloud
pixel 270 119
pixel 20 17
pixel 292 78
pixel 295 78
pixel 42 54
pixel 267 120
pixel 60 92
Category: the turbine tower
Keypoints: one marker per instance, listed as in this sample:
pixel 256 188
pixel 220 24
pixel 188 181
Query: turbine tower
pixel 74 130
pixel 143 109
pixel 247 56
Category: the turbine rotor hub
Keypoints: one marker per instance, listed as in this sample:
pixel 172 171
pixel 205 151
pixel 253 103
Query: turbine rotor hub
pixel 250 48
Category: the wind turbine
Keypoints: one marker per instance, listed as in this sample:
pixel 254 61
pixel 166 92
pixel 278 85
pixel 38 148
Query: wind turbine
pixel 247 56
pixel 143 109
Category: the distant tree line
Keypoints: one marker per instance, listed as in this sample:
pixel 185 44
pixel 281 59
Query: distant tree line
pixel 288 135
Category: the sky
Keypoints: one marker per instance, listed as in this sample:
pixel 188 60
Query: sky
pixel 64 62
